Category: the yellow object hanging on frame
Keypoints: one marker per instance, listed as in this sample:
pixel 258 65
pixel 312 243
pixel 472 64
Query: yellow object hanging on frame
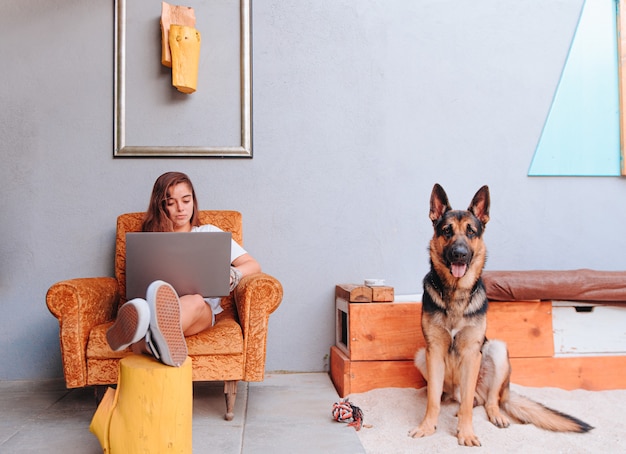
pixel 185 48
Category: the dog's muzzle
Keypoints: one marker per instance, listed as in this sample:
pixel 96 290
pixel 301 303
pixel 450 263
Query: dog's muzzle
pixel 459 256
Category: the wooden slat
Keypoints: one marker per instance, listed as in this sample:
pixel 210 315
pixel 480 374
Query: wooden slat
pixel 382 294
pixel 354 293
pixel 340 371
pixel 360 376
pixel 594 373
pixel 342 309
pixel 379 331
pixel 526 326
pixel 368 375
pixel 382 331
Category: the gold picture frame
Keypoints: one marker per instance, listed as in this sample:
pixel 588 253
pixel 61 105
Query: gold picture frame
pixel 149 110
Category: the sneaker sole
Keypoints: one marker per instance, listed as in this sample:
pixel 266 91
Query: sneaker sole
pixel 165 328
pixel 129 327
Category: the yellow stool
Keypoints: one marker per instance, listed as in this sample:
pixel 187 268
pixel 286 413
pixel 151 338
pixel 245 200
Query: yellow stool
pixel 149 412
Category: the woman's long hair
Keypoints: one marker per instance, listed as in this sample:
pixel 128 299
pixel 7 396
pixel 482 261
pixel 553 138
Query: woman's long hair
pixel 156 218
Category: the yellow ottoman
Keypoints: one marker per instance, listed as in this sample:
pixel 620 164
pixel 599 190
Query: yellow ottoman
pixel 149 412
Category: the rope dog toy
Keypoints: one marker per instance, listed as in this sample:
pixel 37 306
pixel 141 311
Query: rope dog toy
pixel 344 411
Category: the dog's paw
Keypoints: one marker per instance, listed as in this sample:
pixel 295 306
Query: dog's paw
pixel 467 438
pixel 422 430
pixel 497 418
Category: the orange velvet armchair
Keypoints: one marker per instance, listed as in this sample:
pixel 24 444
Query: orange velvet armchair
pixel 233 349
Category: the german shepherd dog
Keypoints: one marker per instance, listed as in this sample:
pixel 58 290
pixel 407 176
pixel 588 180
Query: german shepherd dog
pixel 458 361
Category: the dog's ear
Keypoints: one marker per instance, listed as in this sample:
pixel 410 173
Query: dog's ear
pixel 480 205
pixel 438 203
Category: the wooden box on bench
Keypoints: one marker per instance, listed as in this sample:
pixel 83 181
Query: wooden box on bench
pixel 376 342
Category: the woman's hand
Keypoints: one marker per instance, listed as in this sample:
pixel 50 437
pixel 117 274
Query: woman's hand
pixel 242 266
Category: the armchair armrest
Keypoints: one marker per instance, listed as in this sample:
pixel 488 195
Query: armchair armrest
pixel 256 297
pixel 79 305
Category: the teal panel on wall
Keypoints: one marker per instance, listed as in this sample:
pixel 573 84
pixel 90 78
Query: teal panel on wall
pixel 581 134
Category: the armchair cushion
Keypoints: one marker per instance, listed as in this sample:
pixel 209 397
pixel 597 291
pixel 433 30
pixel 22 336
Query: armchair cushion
pixel 224 338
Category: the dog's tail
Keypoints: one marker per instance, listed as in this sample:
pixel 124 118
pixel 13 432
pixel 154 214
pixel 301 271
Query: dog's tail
pixel 527 411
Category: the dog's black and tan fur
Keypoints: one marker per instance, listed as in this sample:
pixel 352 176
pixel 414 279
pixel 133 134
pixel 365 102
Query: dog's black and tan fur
pixel 458 360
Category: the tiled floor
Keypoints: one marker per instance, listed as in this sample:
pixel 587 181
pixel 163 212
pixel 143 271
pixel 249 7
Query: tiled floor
pixel 286 413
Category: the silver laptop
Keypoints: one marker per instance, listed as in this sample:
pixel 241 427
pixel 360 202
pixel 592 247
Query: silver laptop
pixel 194 262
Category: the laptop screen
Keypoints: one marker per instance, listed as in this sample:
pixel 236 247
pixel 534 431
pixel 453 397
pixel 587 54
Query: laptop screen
pixel 192 262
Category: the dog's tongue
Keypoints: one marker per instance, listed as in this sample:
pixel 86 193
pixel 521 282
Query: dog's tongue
pixel 458 270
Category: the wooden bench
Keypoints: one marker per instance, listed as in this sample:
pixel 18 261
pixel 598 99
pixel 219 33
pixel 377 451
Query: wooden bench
pixel 376 343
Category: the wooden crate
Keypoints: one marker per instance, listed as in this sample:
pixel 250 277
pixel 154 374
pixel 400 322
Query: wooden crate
pixel 378 331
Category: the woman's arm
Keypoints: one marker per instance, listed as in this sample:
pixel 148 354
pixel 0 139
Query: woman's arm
pixel 242 266
pixel 246 264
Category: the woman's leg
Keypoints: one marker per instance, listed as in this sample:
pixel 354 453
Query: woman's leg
pixel 195 314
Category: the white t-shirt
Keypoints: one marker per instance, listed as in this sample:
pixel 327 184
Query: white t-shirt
pixel 235 251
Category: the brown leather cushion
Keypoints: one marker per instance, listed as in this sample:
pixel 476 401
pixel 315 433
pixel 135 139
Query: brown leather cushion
pixel 574 285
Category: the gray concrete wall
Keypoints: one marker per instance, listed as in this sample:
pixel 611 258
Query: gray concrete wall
pixel 359 107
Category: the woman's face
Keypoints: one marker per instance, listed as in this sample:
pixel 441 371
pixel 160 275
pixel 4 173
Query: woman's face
pixel 179 205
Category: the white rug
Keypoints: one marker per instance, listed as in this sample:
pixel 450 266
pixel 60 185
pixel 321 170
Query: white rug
pixel 390 413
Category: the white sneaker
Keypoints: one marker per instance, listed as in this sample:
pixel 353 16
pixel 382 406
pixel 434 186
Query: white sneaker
pixel 165 336
pixel 130 326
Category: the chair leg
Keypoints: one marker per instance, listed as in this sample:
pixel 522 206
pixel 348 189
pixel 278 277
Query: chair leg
pixel 230 393
pixel 99 391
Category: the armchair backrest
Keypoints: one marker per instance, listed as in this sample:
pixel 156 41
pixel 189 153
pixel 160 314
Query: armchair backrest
pixel 229 221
